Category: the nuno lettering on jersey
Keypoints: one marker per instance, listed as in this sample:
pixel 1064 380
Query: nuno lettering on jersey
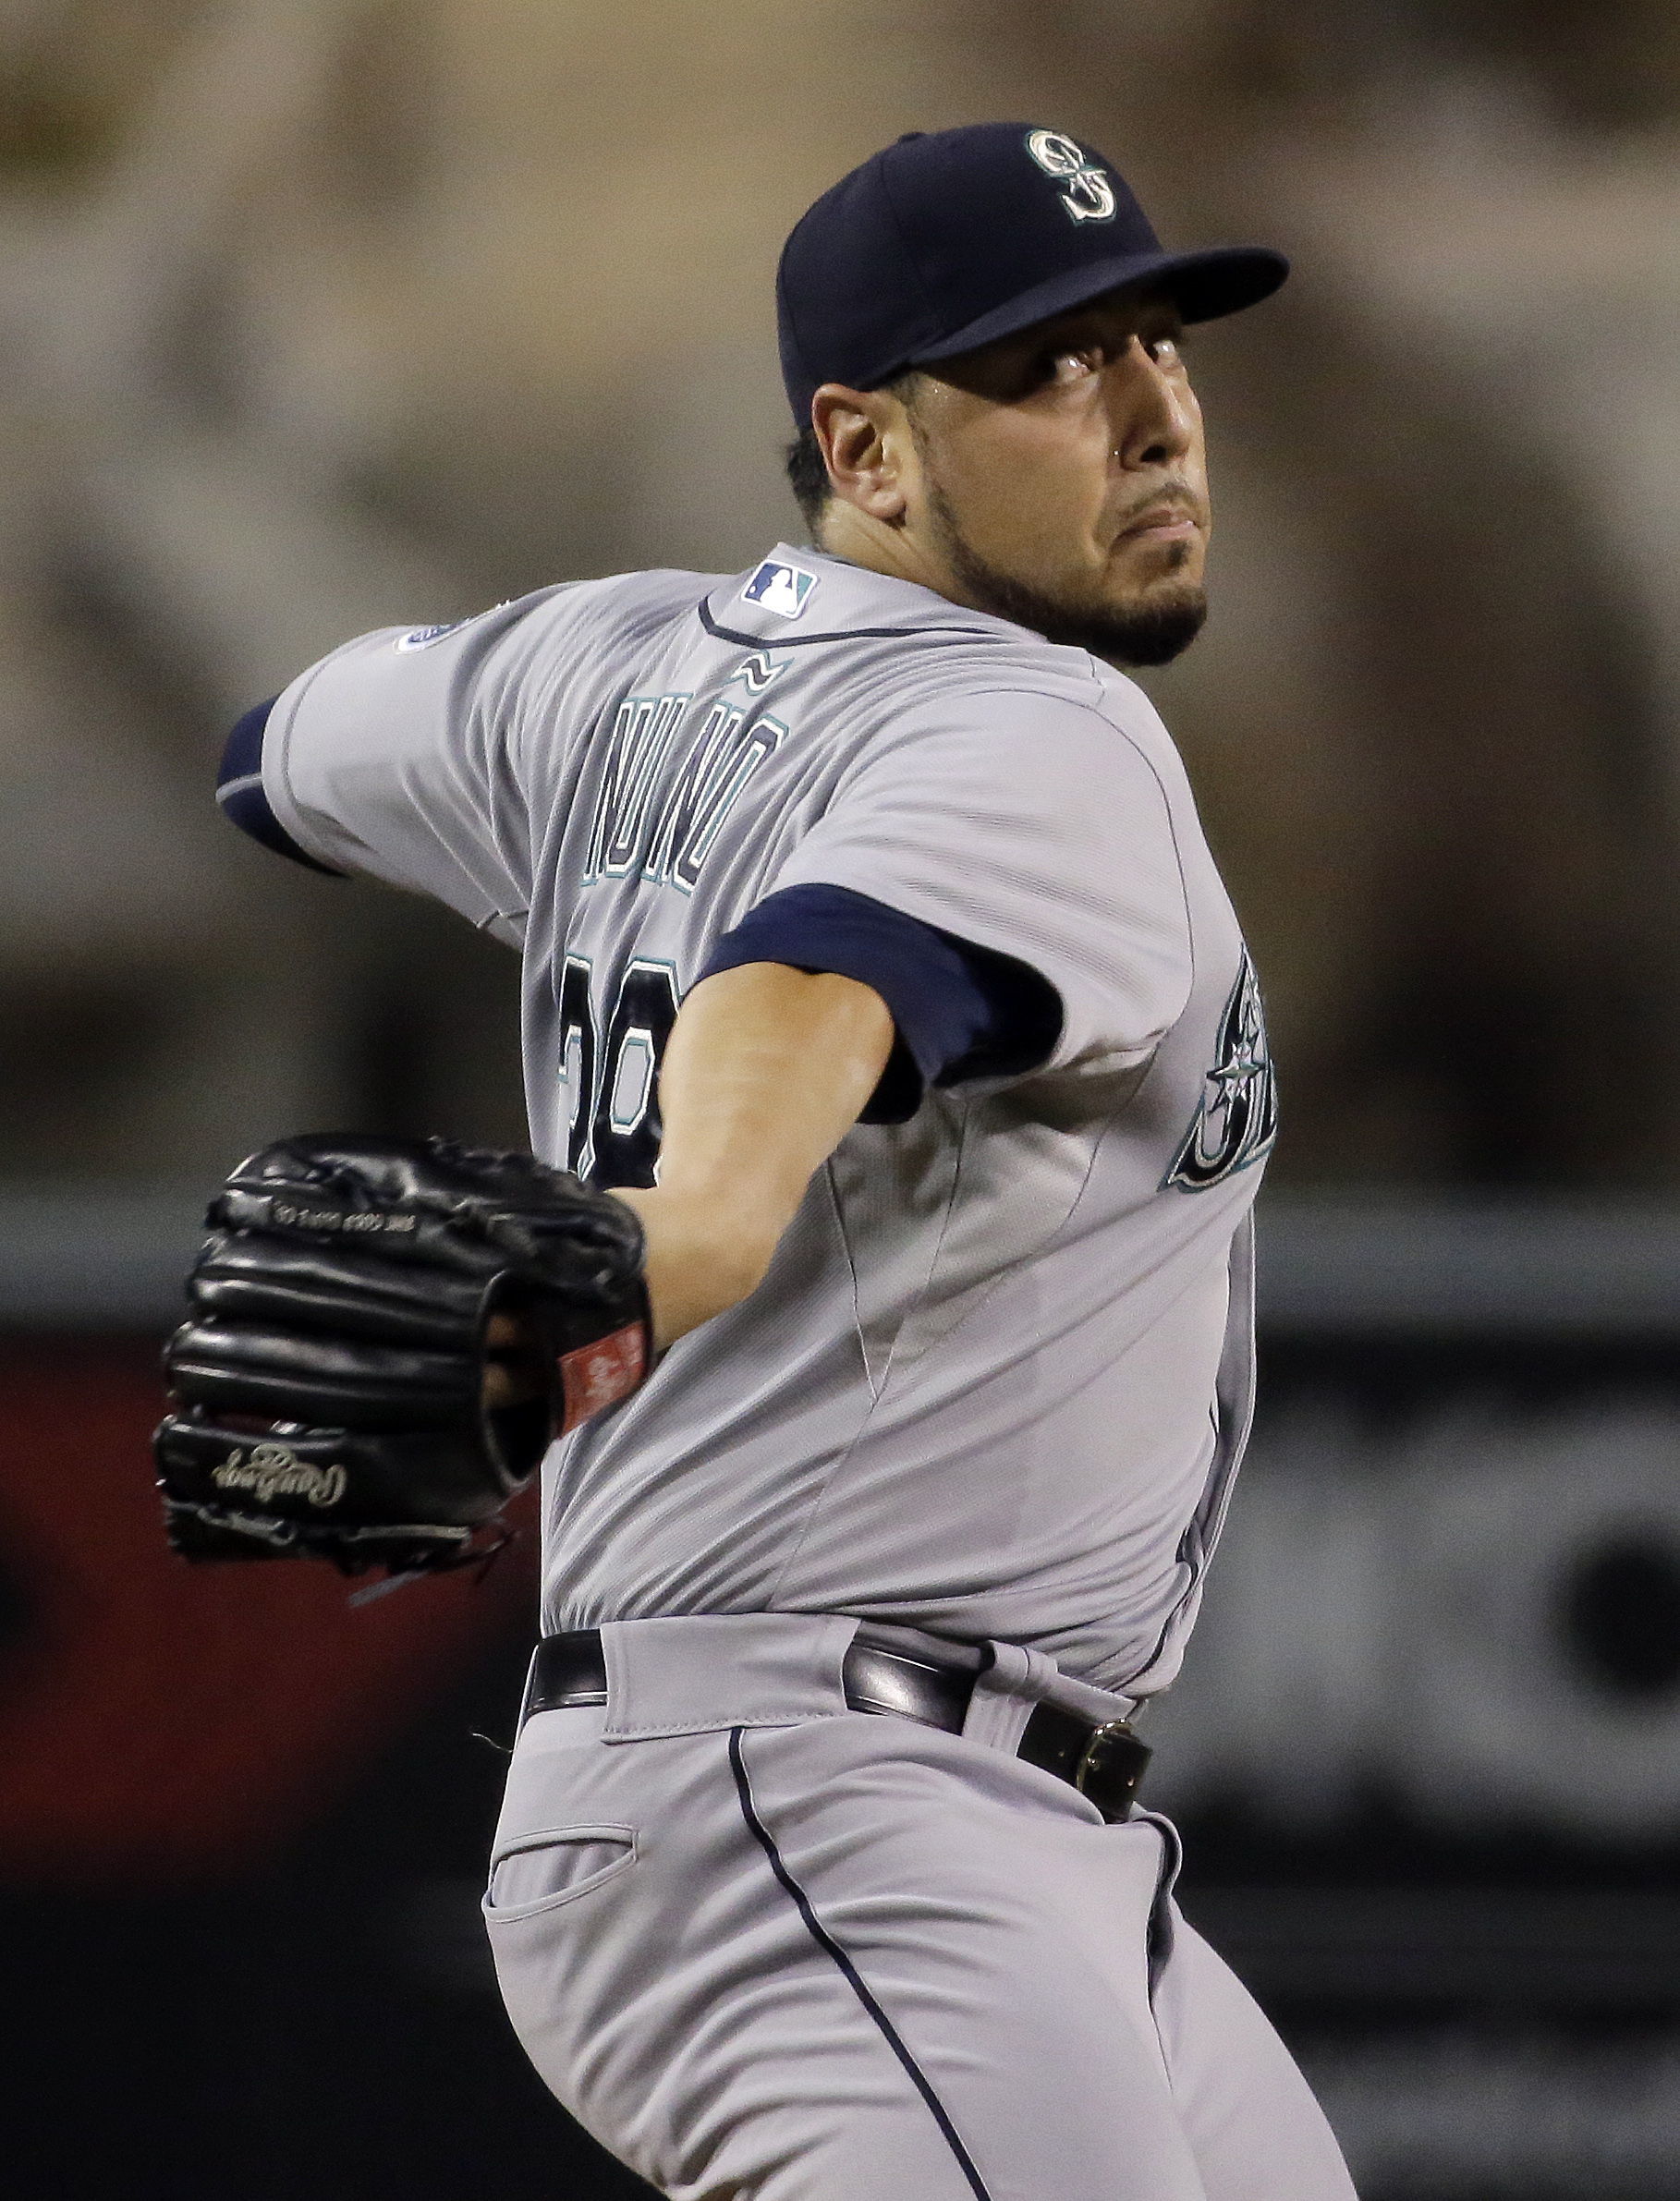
pixel 640 738
pixel 669 840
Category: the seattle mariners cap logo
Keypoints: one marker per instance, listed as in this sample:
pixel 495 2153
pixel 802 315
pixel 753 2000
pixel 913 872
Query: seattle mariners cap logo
pixel 1089 197
pixel 784 589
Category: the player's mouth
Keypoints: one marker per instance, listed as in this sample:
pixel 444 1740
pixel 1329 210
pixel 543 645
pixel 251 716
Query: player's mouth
pixel 1161 523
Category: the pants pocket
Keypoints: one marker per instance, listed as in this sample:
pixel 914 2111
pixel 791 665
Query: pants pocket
pixel 538 1871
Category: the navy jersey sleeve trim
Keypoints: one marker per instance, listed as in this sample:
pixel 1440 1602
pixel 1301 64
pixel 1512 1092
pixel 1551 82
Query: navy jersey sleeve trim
pixel 961 1011
pixel 239 791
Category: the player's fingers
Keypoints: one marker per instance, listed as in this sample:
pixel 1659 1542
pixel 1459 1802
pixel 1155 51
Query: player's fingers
pixel 502 1388
pixel 513 1370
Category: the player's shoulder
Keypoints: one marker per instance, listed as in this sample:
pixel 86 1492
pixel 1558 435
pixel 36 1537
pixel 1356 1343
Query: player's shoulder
pixel 914 654
pixel 586 619
pixel 619 611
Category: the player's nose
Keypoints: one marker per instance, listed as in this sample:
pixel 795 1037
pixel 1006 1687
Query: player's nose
pixel 1149 412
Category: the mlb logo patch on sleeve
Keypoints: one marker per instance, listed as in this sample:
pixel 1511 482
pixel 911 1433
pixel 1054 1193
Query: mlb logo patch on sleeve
pixel 783 589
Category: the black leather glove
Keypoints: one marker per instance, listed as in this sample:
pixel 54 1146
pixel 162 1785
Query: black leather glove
pixel 329 1385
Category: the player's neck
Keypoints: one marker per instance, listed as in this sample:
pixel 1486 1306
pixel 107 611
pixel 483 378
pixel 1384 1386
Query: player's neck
pixel 861 539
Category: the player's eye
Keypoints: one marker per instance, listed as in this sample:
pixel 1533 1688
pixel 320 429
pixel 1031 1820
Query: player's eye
pixel 1166 349
pixel 1071 362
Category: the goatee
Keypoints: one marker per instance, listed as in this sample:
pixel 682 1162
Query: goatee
pixel 1151 632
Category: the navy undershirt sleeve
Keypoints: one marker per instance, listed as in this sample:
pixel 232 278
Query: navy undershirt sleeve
pixel 239 790
pixel 961 1011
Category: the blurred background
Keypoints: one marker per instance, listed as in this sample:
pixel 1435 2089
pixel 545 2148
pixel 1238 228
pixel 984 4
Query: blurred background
pixel 319 314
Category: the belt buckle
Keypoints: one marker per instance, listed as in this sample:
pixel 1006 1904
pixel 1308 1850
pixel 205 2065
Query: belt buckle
pixel 1111 1767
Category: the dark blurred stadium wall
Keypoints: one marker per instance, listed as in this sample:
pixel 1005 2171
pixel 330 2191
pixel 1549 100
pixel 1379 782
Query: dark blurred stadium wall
pixel 318 314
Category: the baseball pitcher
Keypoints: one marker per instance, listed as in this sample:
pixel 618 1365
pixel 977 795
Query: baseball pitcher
pixel 876 1297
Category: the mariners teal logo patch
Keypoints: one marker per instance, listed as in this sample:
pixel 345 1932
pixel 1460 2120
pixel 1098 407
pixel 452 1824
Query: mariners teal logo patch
pixel 781 588
pixel 1089 197
pixel 1236 1124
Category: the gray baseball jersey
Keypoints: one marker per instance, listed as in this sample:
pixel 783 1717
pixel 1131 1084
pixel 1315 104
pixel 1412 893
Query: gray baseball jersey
pixel 997 1383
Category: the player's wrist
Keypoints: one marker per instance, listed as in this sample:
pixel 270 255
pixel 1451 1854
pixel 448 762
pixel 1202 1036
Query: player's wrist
pixel 702 1259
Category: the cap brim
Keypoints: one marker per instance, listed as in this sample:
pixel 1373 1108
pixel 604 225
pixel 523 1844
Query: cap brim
pixel 1205 286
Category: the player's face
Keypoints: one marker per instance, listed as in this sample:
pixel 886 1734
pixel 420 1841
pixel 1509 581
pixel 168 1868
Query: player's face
pixel 1061 480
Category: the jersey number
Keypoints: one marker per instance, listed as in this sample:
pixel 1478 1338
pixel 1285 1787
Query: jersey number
pixel 612 1081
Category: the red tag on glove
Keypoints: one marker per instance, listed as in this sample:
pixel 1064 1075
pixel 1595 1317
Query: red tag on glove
pixel 593 1375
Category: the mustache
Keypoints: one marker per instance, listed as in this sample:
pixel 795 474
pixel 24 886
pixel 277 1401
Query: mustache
pixel 1174 491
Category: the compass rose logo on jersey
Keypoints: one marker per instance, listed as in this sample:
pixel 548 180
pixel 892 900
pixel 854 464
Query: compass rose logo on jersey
pixel 1236 1120
pixel 1089 197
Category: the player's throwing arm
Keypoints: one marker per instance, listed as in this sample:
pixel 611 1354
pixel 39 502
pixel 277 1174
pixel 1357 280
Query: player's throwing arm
pixel 768 1069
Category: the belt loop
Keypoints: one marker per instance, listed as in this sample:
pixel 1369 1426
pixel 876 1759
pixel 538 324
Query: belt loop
pixel 699 1673
pixel 1004 1694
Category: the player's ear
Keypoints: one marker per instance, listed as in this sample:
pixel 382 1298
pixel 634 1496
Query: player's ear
pixel 865 438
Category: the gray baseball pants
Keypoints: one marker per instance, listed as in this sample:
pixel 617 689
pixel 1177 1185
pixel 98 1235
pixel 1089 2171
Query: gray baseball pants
pixel 768 1948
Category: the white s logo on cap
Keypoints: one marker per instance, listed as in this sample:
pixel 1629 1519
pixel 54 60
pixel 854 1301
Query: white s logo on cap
pixel 1089 197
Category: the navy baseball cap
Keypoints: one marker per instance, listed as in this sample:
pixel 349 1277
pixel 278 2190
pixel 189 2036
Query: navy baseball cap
pixel 951 238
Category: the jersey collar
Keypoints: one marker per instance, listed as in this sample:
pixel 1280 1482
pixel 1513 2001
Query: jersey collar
pixel 771 602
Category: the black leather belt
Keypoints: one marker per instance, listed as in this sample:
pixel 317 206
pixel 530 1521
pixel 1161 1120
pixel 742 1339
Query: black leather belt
pixel 1103 1760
